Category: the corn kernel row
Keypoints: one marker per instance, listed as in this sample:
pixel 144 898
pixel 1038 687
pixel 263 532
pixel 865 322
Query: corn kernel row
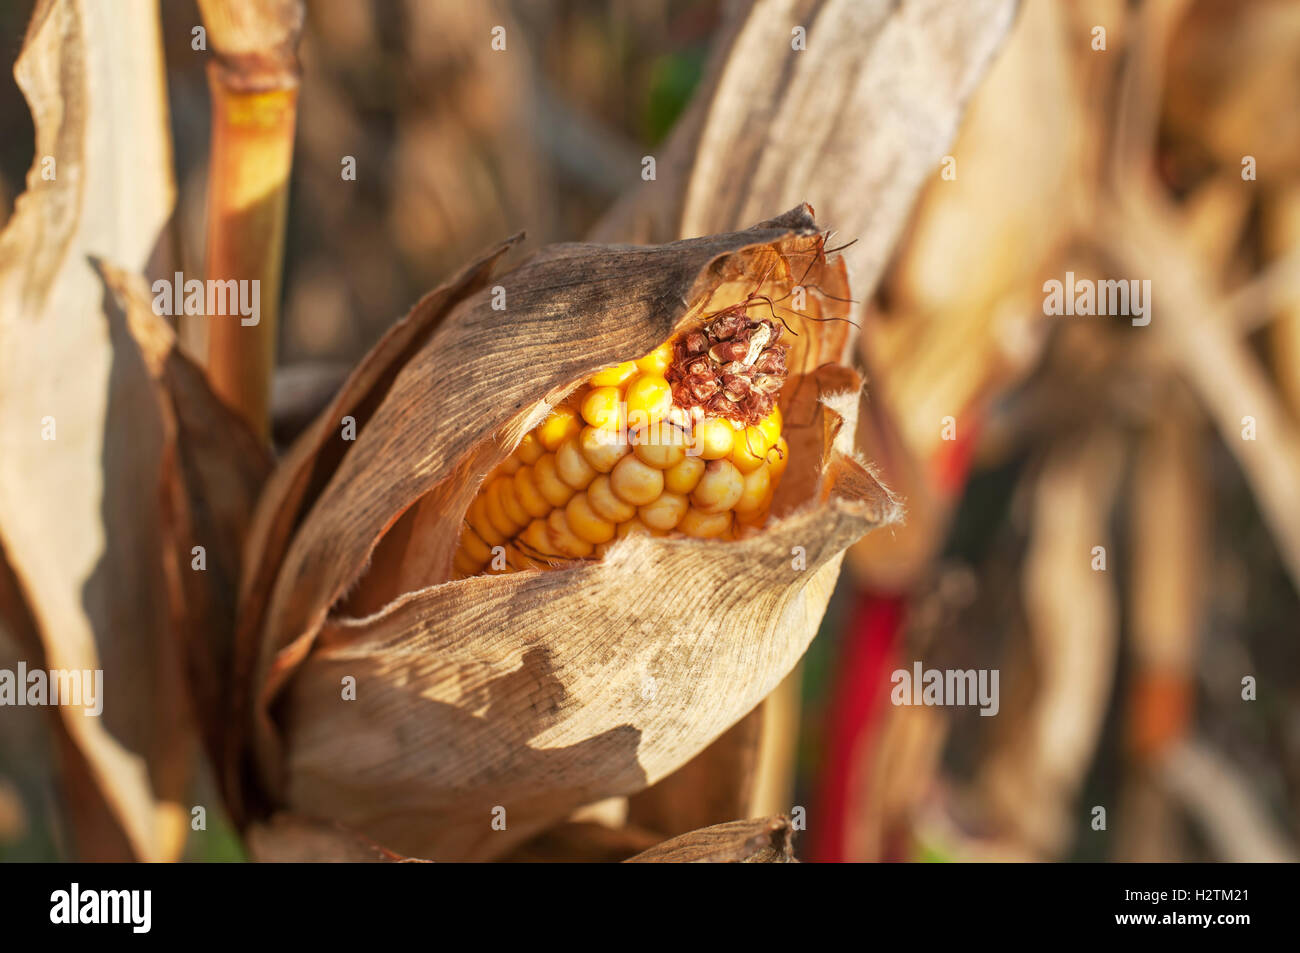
pixel 616 459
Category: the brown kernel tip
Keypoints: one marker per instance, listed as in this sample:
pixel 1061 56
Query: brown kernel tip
pixel 715 369
pixel 726 326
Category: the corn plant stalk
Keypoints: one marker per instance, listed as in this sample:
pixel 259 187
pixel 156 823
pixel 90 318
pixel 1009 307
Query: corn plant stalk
pixel 254 86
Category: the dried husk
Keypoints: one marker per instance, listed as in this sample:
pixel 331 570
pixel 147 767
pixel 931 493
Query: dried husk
pixel 526 691
pixel 210 473
pixel 286 839
pixel 717 785
pixel 586 842
pixel 764 840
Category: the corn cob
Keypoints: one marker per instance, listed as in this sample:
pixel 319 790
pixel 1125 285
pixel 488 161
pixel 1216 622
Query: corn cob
pixel 685 442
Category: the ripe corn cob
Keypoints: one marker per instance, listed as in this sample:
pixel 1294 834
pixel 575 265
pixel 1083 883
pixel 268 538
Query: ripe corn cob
pixel 685 441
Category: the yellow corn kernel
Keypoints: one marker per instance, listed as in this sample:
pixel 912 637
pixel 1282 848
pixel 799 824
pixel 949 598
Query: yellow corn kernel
pixel 530 448
pixel 602 448
pixel 603 407
pixel 572 466
pixel 535 540
pixel 754 518
pixel 636 482
pixel 562 424
pixel 517 559
pixel 663 447
pixel 714 438
pixel 757 492
pixel 510 465
pixel 564 538
pixel 658 360
pixel 478 519
pixel 608 506
pixel 665 512
pixel 504 488
pixel 498 516
pixel 719 488
pixel 465 565
pixel 633 527
pixel 685 476
pixel 771 425
pixel 548 482
pixel 536 505
pixel 648 400
pixel 705 525
pixel 777 458
pixel 750 449
pixel 586 523
pixel 614 376
pixel 472 545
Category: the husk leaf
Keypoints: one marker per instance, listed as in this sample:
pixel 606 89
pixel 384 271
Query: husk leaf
pixel 527 691
pixel 764 840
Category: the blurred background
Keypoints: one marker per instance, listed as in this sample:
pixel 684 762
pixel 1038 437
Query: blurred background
pixel 1160 685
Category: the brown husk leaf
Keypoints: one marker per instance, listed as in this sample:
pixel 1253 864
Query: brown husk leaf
pixel 527 691
pixel 764 840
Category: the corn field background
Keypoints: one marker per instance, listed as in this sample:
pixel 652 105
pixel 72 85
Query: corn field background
pixel 1102 513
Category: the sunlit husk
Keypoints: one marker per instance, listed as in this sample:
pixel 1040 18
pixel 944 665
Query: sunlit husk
pixel 535 692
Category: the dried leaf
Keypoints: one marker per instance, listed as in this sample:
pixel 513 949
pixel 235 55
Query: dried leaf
pixel 1196 329
pixel 586 842
pixel 286 839
pixel 78 512
pixel 300 476
pixel 1232 68
pixel 713 786
pixel 1072 611
pixel 761 134
pixel 212 469
pixel 767 840
pixel 1212 789
pixel 524 691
